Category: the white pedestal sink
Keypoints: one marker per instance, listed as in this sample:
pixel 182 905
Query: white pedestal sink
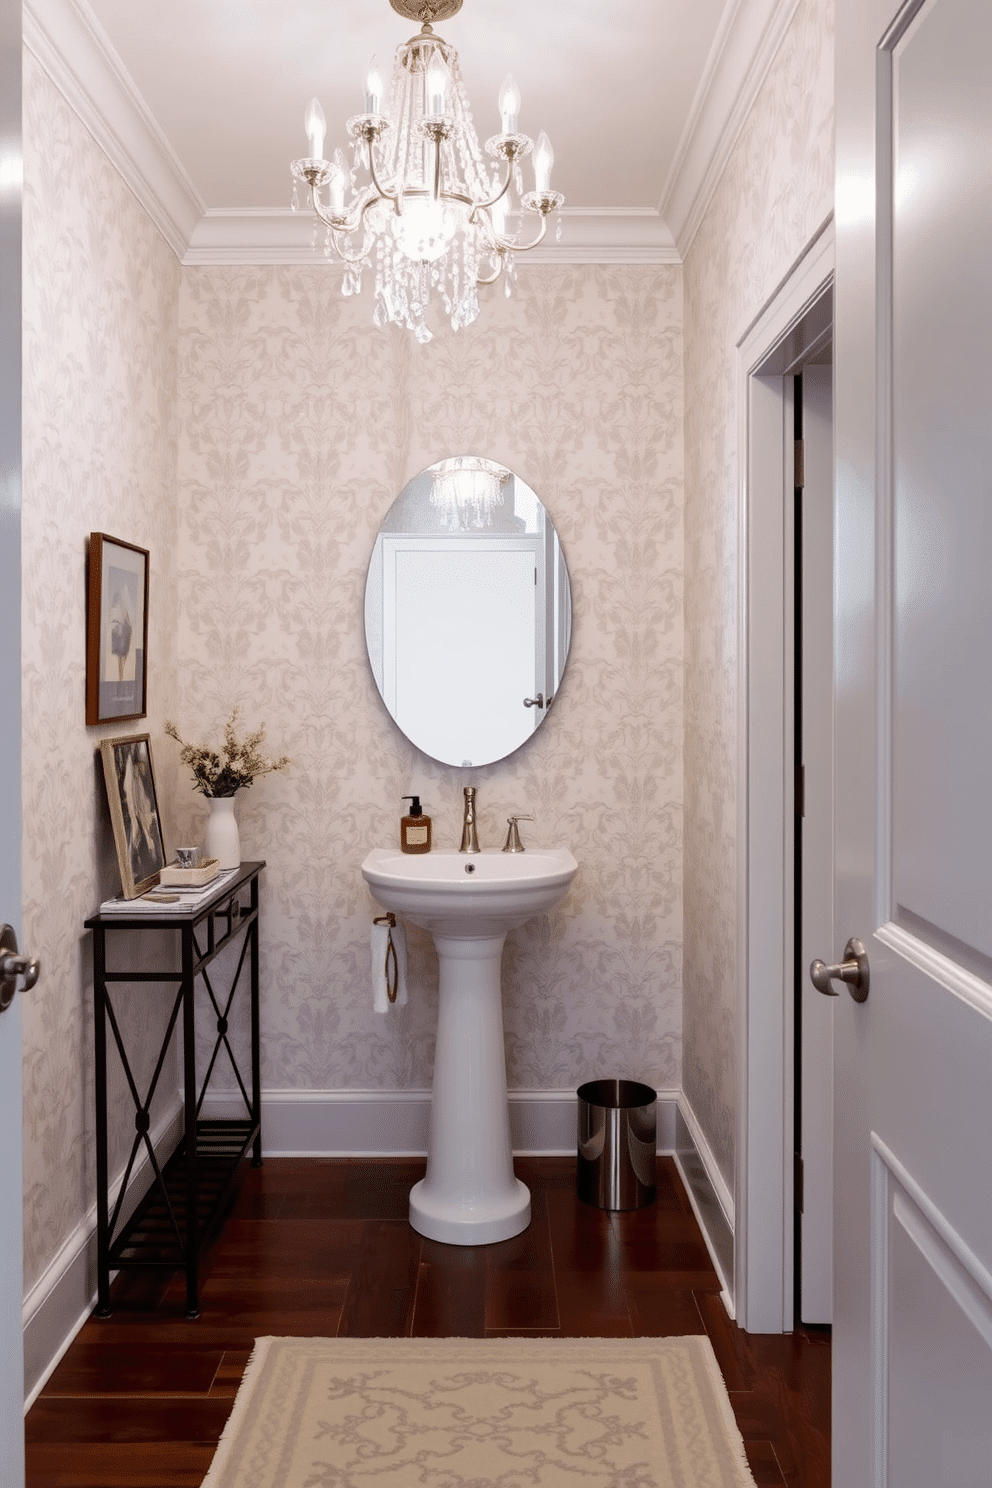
pixel 468 901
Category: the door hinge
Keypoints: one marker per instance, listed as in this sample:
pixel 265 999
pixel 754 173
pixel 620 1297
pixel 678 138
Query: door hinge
pixel 800 479
pixel 800 802
pixel 797 1182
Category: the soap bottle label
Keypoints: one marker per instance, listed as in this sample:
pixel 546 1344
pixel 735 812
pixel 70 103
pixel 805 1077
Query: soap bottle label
pixel 416 835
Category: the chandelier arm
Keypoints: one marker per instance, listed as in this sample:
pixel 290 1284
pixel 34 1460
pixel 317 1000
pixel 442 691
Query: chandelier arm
pixel 523 247
pixel 491 278
pixel 384 195
pixel 337 228
pixel 480 206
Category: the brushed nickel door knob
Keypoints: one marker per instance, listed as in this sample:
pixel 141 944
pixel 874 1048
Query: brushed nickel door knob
pixel 853 971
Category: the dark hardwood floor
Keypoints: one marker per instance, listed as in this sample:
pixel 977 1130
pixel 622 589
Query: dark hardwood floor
pixel 322 1247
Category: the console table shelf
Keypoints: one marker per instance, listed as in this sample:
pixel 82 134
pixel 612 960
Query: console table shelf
pixel 181 1209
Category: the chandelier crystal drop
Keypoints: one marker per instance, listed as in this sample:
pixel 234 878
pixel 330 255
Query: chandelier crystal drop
pixel 419 207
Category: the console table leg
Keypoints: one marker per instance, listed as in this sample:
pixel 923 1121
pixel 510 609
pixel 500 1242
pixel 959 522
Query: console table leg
pixel 103 1308
pixel 256 1057
pixel 189 1122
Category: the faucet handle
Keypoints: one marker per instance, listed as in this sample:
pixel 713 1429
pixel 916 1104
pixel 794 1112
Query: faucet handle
pixel 513 843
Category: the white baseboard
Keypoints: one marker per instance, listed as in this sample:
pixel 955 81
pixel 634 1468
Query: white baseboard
pixel 393 1123
pixel 62 1298
pixel 711 1199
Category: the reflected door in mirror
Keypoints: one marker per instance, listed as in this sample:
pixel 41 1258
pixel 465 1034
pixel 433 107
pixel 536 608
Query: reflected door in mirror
pixel 467 611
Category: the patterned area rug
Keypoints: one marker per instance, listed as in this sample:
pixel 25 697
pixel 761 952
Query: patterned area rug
pixel 481 1413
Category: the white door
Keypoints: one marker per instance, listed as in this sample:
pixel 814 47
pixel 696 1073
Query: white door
pixel 11 1273
pixel 463 632
pixel 913 420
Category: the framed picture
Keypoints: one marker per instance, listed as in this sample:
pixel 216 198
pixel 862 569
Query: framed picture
pixel 127 771
pixel 116 630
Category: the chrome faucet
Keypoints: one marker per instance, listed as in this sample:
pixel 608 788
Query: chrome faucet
pixel 470 841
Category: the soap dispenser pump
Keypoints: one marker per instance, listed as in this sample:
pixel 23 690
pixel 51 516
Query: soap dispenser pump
pixel 415 829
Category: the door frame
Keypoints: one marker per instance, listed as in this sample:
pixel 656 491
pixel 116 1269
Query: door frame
pixel 795 323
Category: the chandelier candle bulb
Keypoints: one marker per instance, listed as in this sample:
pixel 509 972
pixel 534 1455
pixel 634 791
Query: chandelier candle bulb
pixel 509 104
pixel 315 124
pixel 437 85
pixel 373 88
pixel 544 159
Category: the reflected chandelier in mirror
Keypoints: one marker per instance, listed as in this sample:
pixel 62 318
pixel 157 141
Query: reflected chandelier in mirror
pixel 468 611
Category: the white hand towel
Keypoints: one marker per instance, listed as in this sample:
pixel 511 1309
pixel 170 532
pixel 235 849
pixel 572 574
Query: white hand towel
pixel 380 944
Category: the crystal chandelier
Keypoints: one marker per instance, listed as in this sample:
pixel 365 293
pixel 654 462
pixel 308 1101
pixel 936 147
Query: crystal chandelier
pixel 467 490
pixel 419 206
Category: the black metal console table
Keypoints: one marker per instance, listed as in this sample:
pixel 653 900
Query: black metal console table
pixel 178 1214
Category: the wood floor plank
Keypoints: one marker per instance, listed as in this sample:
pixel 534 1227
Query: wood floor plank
pixel 659 1310
pixel 383 1284
pixel 287 1248
pixel 520 1283
pixel 152 1369
pixel 764 1464
pixel 589 1281
pixel 451 1291
pixel 180 1464
pixel 146 1419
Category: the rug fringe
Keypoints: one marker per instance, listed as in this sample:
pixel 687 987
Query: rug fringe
pixel 255 1362
pixel 724 1405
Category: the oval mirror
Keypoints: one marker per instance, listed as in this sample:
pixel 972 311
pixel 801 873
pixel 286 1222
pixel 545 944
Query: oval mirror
pixel 468 611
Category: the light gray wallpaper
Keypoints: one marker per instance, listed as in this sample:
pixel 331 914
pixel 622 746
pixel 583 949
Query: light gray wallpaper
pixel 776 191
pixel 299 425
pixel 100 303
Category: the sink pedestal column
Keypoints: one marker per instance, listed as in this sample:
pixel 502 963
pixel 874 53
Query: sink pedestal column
pixel 469 1195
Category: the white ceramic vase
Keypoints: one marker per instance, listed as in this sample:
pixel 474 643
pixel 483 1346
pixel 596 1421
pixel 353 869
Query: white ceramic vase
pixel 223 840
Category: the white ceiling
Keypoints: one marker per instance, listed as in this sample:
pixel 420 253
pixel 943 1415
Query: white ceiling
pixel 200 103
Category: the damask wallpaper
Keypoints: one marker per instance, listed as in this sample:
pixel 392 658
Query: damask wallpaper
pixel 299 424
pixel 250 427
pixel 776 191
pixel 100 303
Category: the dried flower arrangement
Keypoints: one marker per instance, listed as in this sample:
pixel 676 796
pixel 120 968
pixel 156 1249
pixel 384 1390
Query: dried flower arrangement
pixel 237 764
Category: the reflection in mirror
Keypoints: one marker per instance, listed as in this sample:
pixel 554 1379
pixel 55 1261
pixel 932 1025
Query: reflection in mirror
pixel 468 611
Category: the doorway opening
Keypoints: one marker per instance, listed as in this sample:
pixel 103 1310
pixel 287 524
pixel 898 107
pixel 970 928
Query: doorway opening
pixel 791 335
pixel 813 835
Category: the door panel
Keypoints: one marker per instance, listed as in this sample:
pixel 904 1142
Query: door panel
pixel 942 485
pixel 913 1108
pixel 938 1323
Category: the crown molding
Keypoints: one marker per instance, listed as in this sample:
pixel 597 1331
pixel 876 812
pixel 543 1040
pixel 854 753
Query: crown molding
pixel 230 236
pixel 70 44
pixel 746 43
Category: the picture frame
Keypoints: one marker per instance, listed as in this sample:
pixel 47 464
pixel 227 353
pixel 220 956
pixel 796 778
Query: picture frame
pixel 134 813
pixel 116 630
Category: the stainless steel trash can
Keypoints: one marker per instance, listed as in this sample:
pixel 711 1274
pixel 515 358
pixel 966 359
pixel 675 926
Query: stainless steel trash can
pixel 618 1125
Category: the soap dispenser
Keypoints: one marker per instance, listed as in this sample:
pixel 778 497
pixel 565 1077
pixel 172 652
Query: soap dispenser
pixel 415 829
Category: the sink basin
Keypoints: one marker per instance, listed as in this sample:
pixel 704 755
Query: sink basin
pixel 467 895
pixel 468 902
